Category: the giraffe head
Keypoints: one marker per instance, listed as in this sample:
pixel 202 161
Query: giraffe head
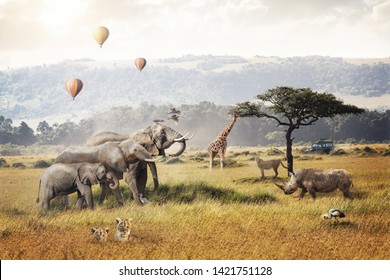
pixel 234 115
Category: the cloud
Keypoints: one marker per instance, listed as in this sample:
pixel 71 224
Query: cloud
pixel 158 28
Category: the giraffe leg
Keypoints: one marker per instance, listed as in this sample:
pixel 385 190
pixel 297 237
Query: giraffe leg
pixel 212 155
pixel 221 159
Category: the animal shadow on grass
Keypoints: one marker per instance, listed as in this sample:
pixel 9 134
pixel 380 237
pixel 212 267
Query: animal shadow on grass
pixel 255 180
pixel 342 224
pixel 183 193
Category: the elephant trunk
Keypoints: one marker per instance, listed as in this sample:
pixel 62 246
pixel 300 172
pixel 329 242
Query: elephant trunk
pixel 153 170
pixel 113 182
pixel 182 148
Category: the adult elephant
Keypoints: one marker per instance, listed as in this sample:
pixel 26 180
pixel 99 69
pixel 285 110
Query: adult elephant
pixel 115 156
pixel 155 139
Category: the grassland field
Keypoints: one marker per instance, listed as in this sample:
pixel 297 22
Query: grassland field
pixel 202 214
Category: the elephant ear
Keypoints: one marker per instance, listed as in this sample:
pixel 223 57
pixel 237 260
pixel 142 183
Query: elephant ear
pixel 145 140
pixel 112 156
pixel 87 175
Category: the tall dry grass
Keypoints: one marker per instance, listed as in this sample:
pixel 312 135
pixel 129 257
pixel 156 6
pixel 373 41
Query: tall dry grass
pixel 203 214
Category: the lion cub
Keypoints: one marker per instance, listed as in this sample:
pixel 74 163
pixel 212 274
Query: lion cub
pixel 123 229
pixel 269 164
pixel 100 234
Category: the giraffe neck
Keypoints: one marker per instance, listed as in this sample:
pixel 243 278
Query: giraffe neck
pixel 224 133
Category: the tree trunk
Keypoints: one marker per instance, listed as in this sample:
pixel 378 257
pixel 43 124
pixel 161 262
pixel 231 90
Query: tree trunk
pixel 289 156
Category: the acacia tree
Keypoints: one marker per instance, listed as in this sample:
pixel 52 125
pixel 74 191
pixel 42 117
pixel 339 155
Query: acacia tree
pixel 293 108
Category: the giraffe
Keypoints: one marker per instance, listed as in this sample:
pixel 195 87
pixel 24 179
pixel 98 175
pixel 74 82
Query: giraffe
pixel 219 145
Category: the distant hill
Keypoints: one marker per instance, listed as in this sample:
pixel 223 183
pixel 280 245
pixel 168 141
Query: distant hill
pixel 39 92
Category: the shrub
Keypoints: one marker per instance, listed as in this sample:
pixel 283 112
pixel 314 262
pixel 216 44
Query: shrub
pixel 339 152
pixel 18 165
pixel 174 160
pixel 274 152
pixel 41 164
pixel 3 163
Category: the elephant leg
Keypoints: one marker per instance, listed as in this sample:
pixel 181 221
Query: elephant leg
pixel 118 196
pixel 85 192
pixel 116 192
pixel 141 181
pixel 80 201
pixel 153 170
pixel 131 179
pixel 104 190
pixel 46 203
pixel 47 196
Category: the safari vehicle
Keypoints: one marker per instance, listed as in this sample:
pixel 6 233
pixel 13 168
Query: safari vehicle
pixel 322 146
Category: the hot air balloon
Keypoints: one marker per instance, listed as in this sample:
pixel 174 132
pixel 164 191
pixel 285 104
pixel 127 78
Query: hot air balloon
pixel 140 63
pixel 101 34
pixel 74 86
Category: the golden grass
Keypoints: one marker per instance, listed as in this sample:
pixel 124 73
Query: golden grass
pixel 203 214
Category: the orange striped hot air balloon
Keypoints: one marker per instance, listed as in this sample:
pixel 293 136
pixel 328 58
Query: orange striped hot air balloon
pixel 74 86
pixel 140 63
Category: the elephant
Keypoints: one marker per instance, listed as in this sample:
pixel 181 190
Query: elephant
pixel 64 178
pixel 155 139
pixel 115 156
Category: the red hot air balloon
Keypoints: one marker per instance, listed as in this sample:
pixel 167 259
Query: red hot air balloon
pixel 140 63
pixel 74 86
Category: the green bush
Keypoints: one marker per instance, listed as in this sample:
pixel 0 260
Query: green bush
pixel 41 164
pixel 3 163
pixel 18 165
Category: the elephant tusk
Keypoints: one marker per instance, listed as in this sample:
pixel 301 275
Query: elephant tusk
pixel 153 159
pixel 181 138
pixel 190 136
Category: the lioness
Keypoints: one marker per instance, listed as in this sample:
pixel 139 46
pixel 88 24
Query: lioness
pixel 123 229
pixel 268 164
pixel 100 234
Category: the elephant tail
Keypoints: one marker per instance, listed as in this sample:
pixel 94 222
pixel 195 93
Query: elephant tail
pixel 39 190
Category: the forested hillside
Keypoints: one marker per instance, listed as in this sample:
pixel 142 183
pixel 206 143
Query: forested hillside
pixel 117 97
pixel 204 118
pixel 39 92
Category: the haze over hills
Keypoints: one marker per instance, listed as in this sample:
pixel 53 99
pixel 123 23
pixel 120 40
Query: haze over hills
pixel 38 93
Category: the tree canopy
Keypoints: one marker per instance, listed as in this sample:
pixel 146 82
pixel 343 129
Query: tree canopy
pixel 293 108
pixel 298 107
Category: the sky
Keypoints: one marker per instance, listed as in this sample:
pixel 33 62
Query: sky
pixel 49 31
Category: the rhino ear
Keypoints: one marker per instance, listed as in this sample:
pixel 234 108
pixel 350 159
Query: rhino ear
pixel 291 174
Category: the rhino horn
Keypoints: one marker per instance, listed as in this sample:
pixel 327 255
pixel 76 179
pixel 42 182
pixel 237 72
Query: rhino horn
pixel 279 186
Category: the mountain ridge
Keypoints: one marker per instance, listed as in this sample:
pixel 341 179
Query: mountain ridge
pixel 38 92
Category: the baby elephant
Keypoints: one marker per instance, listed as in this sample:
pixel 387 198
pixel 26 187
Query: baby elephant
pixel 62 179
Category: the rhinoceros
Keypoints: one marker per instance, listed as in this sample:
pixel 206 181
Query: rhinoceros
pixel 312 181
